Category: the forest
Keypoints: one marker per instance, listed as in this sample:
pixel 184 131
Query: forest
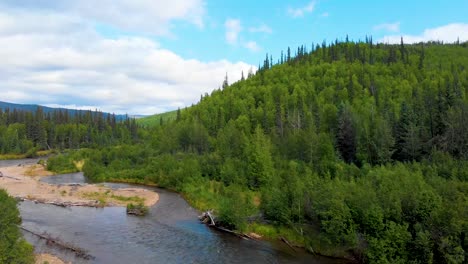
pixel 26 132
pixel 349 149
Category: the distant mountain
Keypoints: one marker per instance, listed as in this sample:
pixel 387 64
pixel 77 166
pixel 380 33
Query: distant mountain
pixel 33 108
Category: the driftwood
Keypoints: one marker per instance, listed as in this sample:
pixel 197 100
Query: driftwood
pixel 206 217
pixel 9 177
pixel 209 219
pixel 137 209
pixel 72 184
pixel 287 243
pixel 68 204
pixel 79 252
pixel 62 204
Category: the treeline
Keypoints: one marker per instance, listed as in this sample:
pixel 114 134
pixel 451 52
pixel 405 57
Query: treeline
pixel 27 132
pixel 356 148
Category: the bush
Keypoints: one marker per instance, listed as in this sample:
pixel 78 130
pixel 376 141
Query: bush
pixel 137 209
pixel 13 248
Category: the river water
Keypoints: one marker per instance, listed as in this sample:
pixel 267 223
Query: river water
pixel 170 233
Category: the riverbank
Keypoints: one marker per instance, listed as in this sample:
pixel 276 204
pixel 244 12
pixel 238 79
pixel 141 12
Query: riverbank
pixel 23 182
pixel 50 259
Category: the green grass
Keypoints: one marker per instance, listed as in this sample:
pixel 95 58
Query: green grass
pixel 103 197
pixel 154 120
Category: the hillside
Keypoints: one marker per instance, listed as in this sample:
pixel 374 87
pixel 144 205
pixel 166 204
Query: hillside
pixel 352 150
pixel 158 119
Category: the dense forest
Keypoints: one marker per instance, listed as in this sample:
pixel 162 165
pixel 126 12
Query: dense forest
pixel 27 132
pixel 349 149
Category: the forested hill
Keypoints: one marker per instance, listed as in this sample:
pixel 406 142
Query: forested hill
pixel 33 108
pixel 350 149
pixel 373 103
pixel 369 143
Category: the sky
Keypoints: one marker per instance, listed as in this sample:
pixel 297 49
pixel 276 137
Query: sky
pixel 153 56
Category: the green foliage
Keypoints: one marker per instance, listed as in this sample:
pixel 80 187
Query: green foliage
pixel 235 207
pixel 137 209
pixel 61 164
pixel 13 248
pixel 24 132
pixel 353 148
pixel 158 119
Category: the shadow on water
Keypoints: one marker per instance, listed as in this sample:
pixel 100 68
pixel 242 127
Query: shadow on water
pixel 170 233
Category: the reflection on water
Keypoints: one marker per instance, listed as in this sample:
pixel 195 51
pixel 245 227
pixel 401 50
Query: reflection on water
pixel 170 233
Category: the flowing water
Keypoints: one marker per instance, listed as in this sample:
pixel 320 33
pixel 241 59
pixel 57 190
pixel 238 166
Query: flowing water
pixel 170 233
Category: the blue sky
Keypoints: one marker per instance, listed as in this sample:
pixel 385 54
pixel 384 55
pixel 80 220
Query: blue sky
pixel 327 20
pixel 151 56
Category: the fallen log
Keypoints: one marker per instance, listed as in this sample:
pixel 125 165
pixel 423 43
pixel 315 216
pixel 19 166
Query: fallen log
pixel 287 243
pixel 209 219
pixel 79 252
pixel 206 217
pixel 9 177
pixel 93 203
pixel 137 209
pixel 68 204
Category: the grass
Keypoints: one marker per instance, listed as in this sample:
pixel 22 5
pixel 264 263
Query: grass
pixel 272 232
pixel 154 120
pixel 12 156
pixel 135 199
pixel 43 153
pixel 40 153
pixel 104 197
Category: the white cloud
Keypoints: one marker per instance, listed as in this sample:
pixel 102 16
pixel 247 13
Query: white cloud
pixel 63 61
pixel 301 11
pixel 448 33
pixel 146 16
pixel 261 29
pixel 325 14
pixel 233 28
pixel 392 27
pixel 252 46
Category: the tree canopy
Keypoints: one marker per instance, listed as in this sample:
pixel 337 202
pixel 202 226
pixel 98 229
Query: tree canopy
pixel 357 148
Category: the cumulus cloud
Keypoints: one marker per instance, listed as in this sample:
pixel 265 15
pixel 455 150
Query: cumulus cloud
pixel 261 29
pixel 55 59
pixel 147 16
pixel 252 46
pixel 392 27
pixel 448 33
pixel 301 11
pixel 233 28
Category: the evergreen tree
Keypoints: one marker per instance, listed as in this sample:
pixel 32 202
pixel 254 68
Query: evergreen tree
pixel 346 135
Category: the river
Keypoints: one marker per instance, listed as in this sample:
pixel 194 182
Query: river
pixel 170 233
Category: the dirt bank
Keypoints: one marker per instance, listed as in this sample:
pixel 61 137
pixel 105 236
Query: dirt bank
pixel 23 182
